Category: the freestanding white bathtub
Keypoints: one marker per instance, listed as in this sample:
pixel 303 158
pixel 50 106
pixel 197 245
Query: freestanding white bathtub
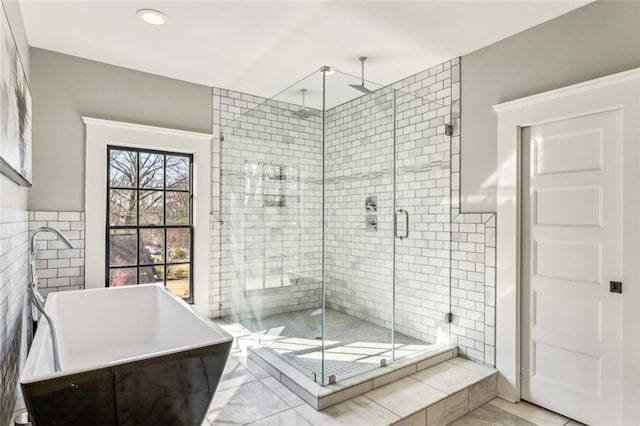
pixel 133 355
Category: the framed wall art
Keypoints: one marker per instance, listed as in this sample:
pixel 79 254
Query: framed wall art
pixel 15 110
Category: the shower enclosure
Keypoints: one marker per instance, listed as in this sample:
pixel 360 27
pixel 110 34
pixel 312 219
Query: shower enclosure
pixel 335 247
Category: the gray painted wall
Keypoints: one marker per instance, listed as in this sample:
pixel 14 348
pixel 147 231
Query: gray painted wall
pixel 596 40
pixel 12 195
pixel 65 88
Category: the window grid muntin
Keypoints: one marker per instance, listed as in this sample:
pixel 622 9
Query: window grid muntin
pixel 138 188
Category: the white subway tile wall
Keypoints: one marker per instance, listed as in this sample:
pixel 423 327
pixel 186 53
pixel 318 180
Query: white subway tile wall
pixel 359 263
pixel 473 285
pixel 267 190
pixel 14 237
pixel 359 164
pixel 57 267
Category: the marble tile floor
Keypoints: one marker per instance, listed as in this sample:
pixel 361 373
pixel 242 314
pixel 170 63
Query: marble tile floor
pixel 501 412
pixel 248 395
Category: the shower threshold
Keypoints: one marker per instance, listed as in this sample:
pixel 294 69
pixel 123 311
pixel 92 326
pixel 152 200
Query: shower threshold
pixel 357 354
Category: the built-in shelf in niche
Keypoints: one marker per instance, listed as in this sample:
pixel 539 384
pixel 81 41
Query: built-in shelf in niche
pixel 271 185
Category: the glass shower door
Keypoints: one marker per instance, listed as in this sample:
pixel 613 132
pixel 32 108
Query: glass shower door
pixel 421 244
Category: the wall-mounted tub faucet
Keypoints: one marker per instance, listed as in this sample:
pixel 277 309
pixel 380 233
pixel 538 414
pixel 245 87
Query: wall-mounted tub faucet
pixel 34 295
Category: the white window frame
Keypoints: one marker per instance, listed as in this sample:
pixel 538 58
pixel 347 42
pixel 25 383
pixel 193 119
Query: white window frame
pixel 615 92
pixel 99 134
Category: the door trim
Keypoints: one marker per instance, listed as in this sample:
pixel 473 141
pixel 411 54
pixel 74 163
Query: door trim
pixel 615 92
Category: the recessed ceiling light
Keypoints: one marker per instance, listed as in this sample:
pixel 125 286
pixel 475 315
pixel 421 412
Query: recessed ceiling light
pixel 152 17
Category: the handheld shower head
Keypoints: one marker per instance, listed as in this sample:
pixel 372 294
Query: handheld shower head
pixel 361 87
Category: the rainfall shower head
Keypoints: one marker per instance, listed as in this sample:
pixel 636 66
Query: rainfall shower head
pixel 361 86
pixel 304 113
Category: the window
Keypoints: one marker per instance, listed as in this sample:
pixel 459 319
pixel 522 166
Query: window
pixel 100 134
pixel 149 231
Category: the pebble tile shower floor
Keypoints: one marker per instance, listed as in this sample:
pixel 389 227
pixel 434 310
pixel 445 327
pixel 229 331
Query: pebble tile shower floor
pixel 352 345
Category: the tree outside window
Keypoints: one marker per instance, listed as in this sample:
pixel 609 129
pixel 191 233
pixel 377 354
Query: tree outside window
pixel 149 210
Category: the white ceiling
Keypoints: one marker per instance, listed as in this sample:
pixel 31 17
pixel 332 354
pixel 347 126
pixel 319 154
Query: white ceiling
pixel 261 47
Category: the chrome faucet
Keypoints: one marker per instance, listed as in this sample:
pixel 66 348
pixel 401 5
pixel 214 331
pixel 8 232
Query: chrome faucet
pixel 33 246
pixel 35 296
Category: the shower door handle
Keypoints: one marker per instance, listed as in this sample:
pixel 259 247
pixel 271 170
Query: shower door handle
pixel 406 221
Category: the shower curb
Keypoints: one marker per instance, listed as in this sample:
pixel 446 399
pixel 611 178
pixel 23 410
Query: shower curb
pixel 321 397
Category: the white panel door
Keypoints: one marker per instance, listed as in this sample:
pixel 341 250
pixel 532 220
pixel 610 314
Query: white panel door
pixel 571 250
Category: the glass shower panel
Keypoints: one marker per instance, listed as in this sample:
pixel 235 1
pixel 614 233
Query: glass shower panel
pixel 422 243
pixel 358 228
pixel 335 197
pixel 271 200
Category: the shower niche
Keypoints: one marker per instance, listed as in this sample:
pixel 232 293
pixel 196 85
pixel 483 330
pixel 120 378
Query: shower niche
pixel 271 185
pixel 335 248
